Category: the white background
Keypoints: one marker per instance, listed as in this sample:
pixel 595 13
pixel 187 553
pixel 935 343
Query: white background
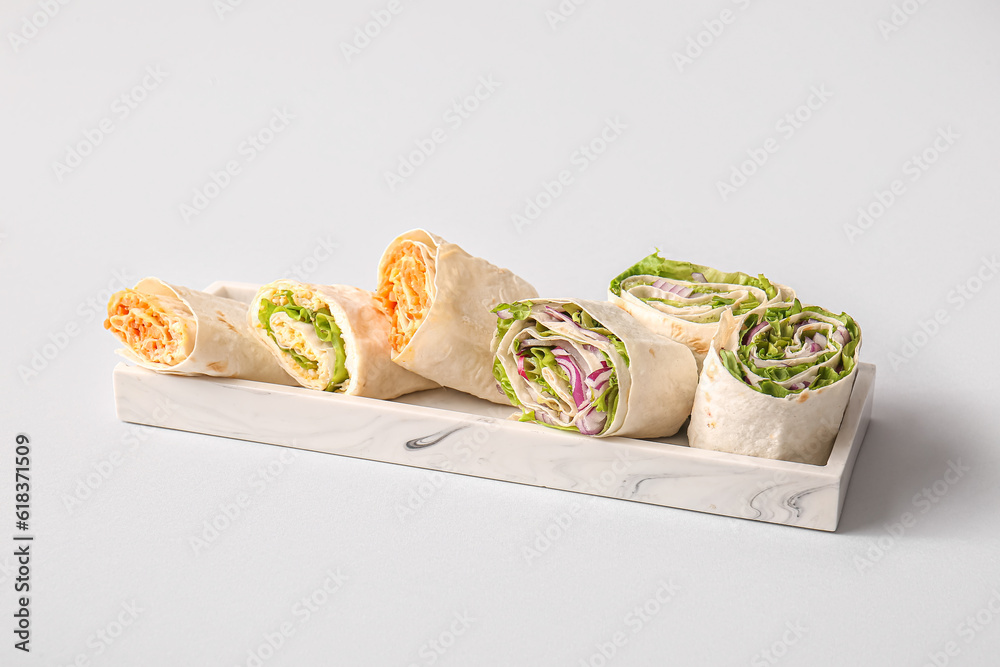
pixel 870 594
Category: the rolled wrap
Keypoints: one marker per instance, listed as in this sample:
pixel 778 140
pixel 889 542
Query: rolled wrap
pixel 684 301
pixel 330 337
pixel 776 383
pixel 173 329
pixel 439 299
pixel 588 366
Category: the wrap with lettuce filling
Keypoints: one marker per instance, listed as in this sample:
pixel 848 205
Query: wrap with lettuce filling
pixel 776 383
pixel 589 367
pixel 331 338
pixel 438 298
pixel 684 301
pixel 173 329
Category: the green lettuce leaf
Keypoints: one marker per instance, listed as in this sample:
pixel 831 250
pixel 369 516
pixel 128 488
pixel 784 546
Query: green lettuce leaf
pixel 539 358
pixel 654 265
pixel 607 402
pixel 501 376
pixel 520 311
pixel 326 330
pixel 773 345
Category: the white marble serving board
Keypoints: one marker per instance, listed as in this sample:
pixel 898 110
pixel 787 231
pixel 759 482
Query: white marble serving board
pixel 446 430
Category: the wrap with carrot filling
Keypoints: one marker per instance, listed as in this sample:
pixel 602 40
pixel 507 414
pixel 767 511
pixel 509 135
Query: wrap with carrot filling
pixel 776 383
pixel 438 298
pixel 331 338
pixel 685 301
pixel 589 367
pixel 173 329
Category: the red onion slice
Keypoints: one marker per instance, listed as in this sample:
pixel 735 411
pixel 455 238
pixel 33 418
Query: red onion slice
pixel 681 291
pixel 575 379
pixel 673 288
pixel 599 379
pixel 605 368
pixel 520 366
pixel 591 421
pixel 753 332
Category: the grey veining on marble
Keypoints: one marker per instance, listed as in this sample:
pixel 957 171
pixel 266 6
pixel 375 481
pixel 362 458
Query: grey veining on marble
pixel 427 431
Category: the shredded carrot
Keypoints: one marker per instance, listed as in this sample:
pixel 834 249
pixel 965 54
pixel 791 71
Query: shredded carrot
pixel 142 326
pixel 402 291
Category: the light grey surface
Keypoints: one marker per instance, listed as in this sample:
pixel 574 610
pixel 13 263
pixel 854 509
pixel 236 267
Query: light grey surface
pixel 874 593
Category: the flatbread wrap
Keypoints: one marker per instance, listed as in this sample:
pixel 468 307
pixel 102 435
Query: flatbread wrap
pixel 684 301
pixel 330 337
pixel 173 329
pixel 438 298
pixel 776 382
pixel 589 367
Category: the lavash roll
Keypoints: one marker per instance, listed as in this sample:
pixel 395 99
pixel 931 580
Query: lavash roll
pixel 590 367
pixel 776 382
pixel 331 338
pixel 172 329
pixel 439 299
pixel 685 301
